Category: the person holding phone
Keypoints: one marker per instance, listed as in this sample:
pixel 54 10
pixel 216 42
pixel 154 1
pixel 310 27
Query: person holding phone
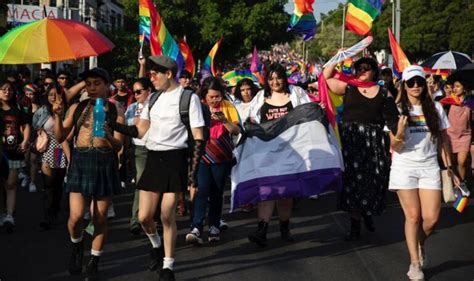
pixel 215 164
pixel 415 172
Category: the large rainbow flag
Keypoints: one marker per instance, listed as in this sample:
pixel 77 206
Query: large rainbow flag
pixel 302 21
pixel 361 14
pixel 208 67
pixel 189 64
pixel 161 41
pixel 400 60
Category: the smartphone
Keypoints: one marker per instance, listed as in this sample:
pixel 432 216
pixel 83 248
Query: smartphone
pixel 219 114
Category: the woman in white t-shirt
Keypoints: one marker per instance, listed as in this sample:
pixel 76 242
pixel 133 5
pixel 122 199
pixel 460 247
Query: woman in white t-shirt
pixel 415 172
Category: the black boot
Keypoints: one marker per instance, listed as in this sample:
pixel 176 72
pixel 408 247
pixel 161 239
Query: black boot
pixel 354 234
pixel 369 223
pixel 260 236
pixel 92 269
pixel 166 274
pixel 75 263
pixel 156 257
pixel 285 231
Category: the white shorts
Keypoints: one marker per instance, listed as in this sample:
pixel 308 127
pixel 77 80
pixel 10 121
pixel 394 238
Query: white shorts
pixel 414 178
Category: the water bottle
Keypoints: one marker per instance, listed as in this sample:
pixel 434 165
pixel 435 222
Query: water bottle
pixel 99 118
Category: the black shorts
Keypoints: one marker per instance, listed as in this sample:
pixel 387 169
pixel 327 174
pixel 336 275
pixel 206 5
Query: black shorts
pixel 165 171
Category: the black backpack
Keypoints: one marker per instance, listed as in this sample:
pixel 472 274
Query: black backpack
pixel 184 103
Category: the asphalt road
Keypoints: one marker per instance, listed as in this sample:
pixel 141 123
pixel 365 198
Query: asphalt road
pixel 319 252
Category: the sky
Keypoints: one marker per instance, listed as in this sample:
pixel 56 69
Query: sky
pixel 320 6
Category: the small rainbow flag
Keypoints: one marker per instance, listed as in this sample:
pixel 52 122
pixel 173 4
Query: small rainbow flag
pixel 400 60
pixel 144 21
pixel 189 64
pixel 302 21
pixel 460 203
pixel 235 76
pixel 208 67
pixel 161 41
pixel 361 14
pixel 347 66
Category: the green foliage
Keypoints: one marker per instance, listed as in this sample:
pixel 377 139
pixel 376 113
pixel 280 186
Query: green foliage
pixel 243 24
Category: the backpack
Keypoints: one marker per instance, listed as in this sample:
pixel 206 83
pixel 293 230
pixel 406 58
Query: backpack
pixel 184 104
pixel 111 113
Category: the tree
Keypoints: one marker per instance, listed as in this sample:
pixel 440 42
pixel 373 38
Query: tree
pixel 243 24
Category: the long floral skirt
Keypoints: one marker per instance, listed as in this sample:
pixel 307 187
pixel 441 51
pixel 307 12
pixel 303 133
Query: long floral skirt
pixel 365 150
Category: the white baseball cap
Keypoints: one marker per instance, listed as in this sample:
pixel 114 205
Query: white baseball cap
pixel 412 71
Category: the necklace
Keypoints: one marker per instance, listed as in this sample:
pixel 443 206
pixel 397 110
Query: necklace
pixel 364 90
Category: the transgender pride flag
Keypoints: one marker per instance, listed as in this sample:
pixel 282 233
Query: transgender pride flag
pixel 294 156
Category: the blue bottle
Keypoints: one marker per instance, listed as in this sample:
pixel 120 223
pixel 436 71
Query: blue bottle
pixel 99 118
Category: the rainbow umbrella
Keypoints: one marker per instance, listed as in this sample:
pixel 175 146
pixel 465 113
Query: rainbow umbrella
pixel 49 40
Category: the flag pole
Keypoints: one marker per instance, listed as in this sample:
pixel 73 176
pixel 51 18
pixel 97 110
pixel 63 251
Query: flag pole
pixel 140 53
pixel 343 28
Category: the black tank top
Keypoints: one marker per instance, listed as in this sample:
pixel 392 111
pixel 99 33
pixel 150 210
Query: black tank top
pixel 360 109
pixel 270 112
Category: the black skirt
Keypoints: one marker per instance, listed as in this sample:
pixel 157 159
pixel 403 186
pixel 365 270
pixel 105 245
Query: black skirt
pixel 367 168
pixel 165 171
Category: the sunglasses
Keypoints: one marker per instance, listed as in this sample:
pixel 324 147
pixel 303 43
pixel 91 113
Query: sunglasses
pixel 420 82
pixel 138 92
pixel 364 69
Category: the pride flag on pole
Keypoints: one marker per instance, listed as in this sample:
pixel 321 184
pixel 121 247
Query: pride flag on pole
pixel 161 41
pixel 208 67
pixel 302 21
pixel 361 14
pixel 189 64
pixel 400 60
pixel 144 22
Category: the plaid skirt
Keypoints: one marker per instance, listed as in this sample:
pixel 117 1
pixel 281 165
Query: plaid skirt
pixel 93 172
pixel 16 164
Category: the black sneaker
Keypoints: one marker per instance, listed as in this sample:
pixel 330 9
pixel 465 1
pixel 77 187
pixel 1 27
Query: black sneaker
pixel 166 274
pixel 214 234
pixel 135 230
pixel 92 269
pixel 75 263
pixel 285 231
pixel 156 257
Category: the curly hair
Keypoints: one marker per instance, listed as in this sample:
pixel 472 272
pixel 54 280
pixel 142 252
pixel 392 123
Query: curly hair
pixel 245 82
pixel 428 107
pixel 280 71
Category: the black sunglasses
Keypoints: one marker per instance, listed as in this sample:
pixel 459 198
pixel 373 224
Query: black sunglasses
pixel 420 82
pixel 138 92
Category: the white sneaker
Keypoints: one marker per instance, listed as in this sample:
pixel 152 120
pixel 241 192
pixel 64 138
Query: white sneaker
pixel 415 273
pixel 314 197
pixel 25 181
pixel 123 185
pixel 87 215
pixel 223 225
pixel 32 187
pixel 111 212
pixel 194 237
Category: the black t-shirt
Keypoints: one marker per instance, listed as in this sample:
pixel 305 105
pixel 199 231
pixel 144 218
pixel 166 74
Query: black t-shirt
pixel 13 119
pixel 270 112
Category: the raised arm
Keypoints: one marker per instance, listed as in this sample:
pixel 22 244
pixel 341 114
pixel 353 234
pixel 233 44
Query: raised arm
pixel 336 86
pixel 142 69
pixel 74 91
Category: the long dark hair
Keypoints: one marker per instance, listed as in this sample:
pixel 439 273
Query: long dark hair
pixel 211 83
pixel 280 71
pixel 428 107
pixel 12 102
pixel 58 89
pixel 245 82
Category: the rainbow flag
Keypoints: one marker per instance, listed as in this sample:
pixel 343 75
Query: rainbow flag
pixel 208 67
pixel 460 203
pixel 347 66
pixel 235 76
pixel 302 21
pixel 161 41
pixel 144 21
pixel 400 60
pixel 189 64
pixel 361 14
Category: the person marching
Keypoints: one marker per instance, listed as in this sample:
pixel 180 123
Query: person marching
pixel 415 172
pixel 367 108
pixel 166 167
pixel 93 175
